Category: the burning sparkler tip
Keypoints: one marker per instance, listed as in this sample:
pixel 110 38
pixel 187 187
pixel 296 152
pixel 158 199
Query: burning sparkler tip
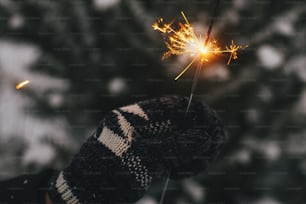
pixel 203 50
pixel 184 40
pixel 181 39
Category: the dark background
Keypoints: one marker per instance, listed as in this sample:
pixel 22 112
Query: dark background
pixel 86 57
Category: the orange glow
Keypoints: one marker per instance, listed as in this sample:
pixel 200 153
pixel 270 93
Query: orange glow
pixel 184 40
pixel 22 84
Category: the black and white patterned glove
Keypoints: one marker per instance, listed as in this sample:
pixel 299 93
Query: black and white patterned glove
pixel 135 144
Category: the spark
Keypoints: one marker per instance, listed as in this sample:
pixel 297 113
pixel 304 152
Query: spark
pixel 22 84
pixel 184 40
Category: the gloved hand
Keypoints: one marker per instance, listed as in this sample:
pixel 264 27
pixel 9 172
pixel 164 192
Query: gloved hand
pixel 135 144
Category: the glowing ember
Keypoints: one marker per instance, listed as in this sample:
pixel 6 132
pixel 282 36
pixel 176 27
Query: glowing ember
pixel 185 41
pixel 22 84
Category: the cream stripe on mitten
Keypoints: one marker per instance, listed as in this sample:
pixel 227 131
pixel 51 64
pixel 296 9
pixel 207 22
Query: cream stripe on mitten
pixel 135 144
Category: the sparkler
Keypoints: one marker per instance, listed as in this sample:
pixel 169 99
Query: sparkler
pixel 22 84
pixel 183 40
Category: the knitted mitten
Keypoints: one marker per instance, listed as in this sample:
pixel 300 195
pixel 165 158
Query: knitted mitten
pixel 136 143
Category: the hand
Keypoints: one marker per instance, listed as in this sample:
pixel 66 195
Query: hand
pixel 137 143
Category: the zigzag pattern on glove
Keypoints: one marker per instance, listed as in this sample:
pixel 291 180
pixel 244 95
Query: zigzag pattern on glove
pixel 117 138
pixel 135 144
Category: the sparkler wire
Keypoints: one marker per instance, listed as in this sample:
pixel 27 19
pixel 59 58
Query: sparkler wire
pixel 212 21
pixel 164 190
pixel 199 68
pixel 194 83
pixel 178 42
